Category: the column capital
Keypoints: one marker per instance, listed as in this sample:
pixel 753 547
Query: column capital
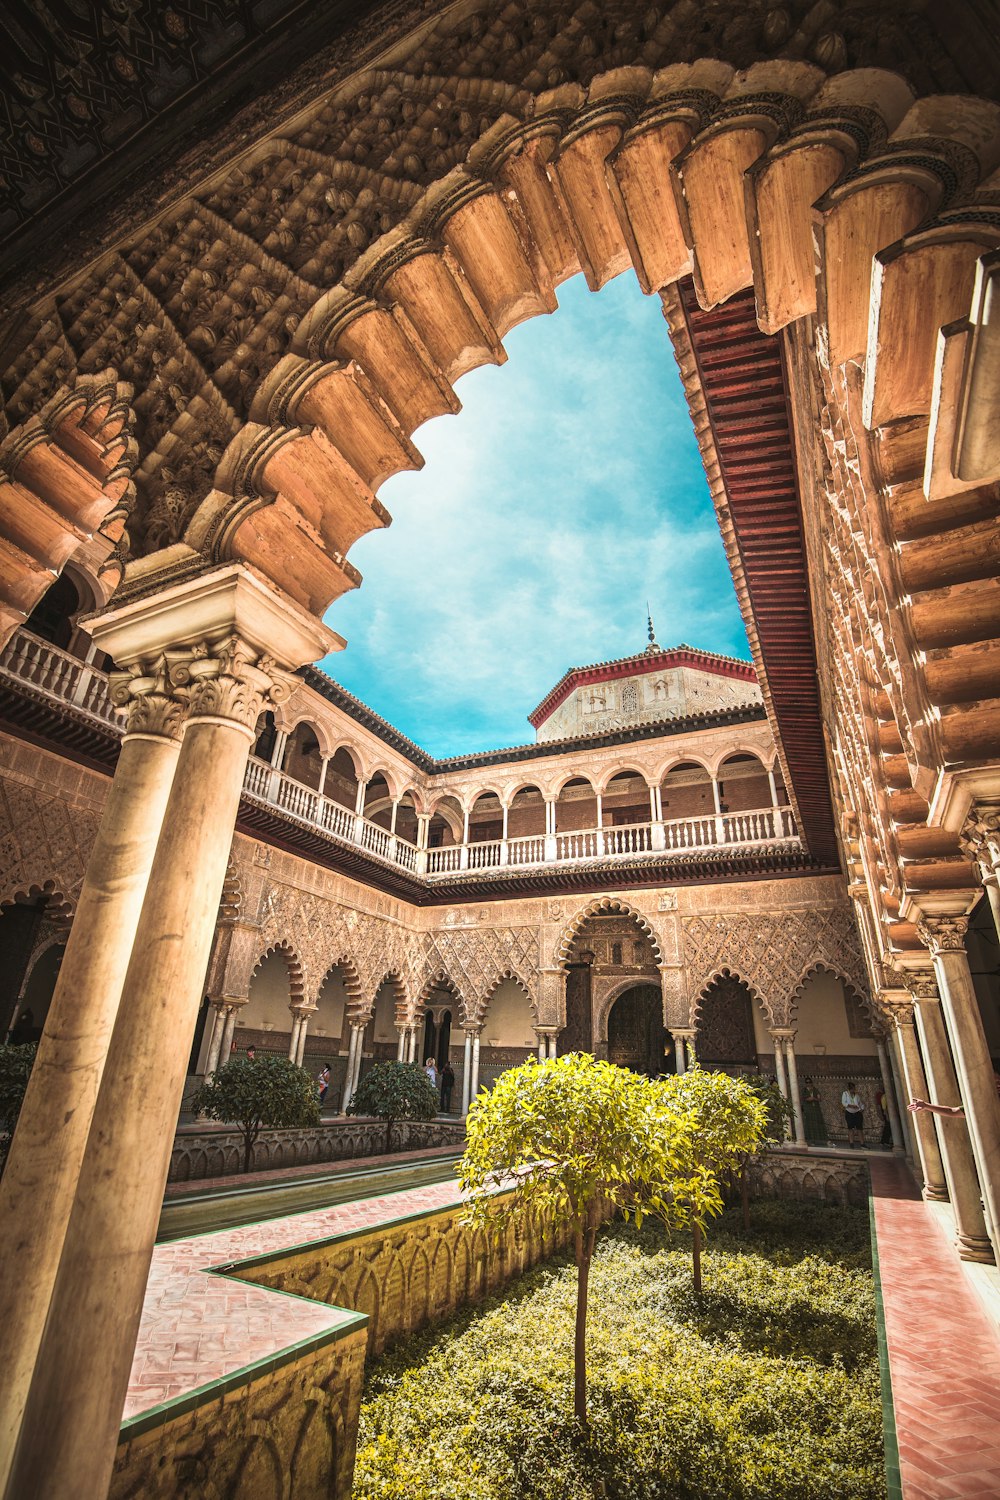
pixel 980 842
pixel 922 985
pixel 943 934
pixel 781 1033
pixel 899 1012
pixel 222 644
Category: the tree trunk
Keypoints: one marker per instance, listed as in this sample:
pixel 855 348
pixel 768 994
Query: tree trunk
pixel 584 1255
pixel 745 1198
pixel 696 1255
pixel 388 1136
pixel 248 1145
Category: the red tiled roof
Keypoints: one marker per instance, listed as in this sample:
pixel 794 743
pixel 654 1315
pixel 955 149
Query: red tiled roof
pixel 636 666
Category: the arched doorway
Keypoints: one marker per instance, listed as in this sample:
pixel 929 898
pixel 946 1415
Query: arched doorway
pixel 637 1037
pixel 725 1037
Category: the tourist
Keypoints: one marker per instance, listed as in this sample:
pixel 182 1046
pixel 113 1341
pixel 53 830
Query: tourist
pixel 323 1080
pixel 812 1114
pixel 447 1084
pixel 854 1114
pixel 886 1138
pixel 251 1053
pixel 954 1110
pixel 430 1068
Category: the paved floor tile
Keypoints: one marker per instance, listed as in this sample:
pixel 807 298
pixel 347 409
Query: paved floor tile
pixel 944 1356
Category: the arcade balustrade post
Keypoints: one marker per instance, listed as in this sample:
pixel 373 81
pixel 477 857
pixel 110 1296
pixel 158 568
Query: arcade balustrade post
pixel 467 1073
pixel 39 1184
pixel 944 937
pixel 971 1235
pixel 353 1048
pixel 293 1043
pixel 915 1083
pixel 229 627
pixel 890 1096
pixel 793 1089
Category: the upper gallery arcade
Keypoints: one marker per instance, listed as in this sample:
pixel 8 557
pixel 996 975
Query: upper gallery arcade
pixel 235 293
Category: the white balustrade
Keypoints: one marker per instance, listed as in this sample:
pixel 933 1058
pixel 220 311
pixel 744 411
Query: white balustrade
pixel 338 820
pixel 580 844
pixel 484 856
pixel 526 851
pixel 258 775
pixel 635 838
pixel 443 861
pixel 59 675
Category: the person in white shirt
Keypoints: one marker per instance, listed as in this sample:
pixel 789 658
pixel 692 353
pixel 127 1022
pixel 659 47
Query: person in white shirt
pixel 854 1115
pixel 430 1068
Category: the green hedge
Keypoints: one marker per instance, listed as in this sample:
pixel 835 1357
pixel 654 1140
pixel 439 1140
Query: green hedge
pixel 764 1388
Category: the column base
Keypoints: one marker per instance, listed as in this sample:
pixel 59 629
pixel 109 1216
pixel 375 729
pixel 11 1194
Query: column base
pixel 935 1195
pixel 970 1247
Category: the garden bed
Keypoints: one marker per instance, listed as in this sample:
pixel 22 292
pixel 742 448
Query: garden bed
pixel 765 1388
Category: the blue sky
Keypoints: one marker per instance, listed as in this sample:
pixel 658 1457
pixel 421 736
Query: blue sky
pixel 567 492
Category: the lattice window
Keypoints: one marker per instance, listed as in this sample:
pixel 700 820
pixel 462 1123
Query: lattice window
pixel 630 698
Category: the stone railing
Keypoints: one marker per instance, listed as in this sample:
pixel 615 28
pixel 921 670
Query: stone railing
pixel 64 678
pixel 217 1151
pixel 56 674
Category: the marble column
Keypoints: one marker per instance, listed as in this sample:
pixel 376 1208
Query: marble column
pixel 981 841
pixel 890 1095
pixel 543 1045
pixel 300 1050
pixel 221 1010
pixel 944 938
pixel 39 1184
pixel 225 670
pixel 227 1035
pixel 474 1084
pixel 972 1239
pixel 352 1051
pixel 793 1089
pixel 467 1073
pixel 679 1060
pixel 915 1083
pixel 414 1034
pixel 401 1045
pixel 293 1044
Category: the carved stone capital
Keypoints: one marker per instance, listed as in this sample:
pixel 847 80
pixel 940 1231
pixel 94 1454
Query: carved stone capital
pixel 152 701
pixel 229 679
pixel 899 1012
pixel 943 934
pixel 980 838
pixel 922 987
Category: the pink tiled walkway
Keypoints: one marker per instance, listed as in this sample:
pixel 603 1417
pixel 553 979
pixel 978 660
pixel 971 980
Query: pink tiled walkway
pixel 197 1328
pixel 944 1353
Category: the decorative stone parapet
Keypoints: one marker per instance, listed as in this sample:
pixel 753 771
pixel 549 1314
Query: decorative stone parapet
pixel 199 1153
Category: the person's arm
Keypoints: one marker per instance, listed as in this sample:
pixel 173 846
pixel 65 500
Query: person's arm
pixel 936 1109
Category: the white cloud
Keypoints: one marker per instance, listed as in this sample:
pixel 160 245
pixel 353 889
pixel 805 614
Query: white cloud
pixel 567 493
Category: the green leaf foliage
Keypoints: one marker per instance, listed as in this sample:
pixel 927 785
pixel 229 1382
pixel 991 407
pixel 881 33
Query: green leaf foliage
pixel 571 1138
pixel 766 1387
pixel 567 1136
pixel 255 1094
pixel 15 1070
pixel 727 1123
pixel 394 1091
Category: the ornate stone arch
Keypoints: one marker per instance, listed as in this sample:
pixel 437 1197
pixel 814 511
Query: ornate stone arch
pixel 841 972
pixel 732 971
pixel 441 976
pixel 296 978
pixel 614 994
pixel 401 1012
pixel 353 985
pixel 604 906
pixel 59 904
pixel 483 1000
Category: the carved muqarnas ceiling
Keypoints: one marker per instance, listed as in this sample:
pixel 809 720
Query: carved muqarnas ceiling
pixel 86 79
pixel 195 313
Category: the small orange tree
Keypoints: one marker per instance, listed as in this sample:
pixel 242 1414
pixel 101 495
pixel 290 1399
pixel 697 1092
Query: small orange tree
pixel 726 1122
pixel 573 1139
